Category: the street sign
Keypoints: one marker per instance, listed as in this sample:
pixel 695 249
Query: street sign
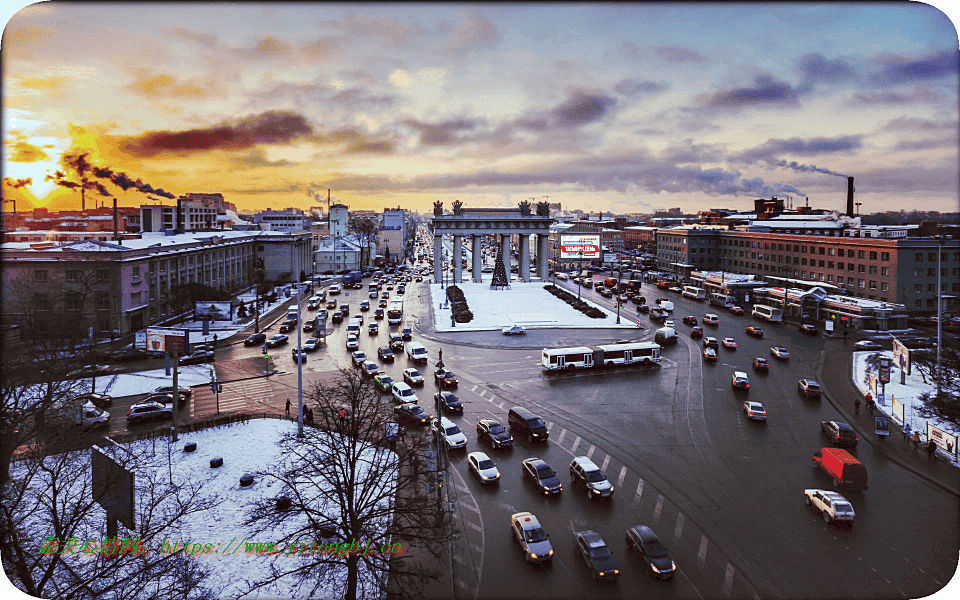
pixel 882 426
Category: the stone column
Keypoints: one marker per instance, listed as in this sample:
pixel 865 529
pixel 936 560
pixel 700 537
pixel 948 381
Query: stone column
pixel 437 258
pixel 524 257
pixel 477 258
pixel 543 256
pixel 457 258
pixel 505 250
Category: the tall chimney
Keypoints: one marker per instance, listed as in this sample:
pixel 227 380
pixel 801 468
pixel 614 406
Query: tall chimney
pixel 178 226
pixel 116 233
pixel 849 196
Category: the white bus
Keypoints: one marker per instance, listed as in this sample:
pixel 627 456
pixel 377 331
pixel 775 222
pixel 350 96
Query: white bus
pixel 692 291
pixel 767 313
pixel 586 357
pixel 722 300
pixel 631 353
pixel 395 312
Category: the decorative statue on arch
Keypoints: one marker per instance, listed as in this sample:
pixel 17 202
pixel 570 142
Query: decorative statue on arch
pixel 543 208
pixel 457 207
pixel 524 208
pixel 438 208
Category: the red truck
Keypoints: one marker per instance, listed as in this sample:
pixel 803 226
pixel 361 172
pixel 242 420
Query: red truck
pixel 845 469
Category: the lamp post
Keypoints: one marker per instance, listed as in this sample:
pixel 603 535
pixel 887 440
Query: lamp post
pixel 619 271
pixel 580 274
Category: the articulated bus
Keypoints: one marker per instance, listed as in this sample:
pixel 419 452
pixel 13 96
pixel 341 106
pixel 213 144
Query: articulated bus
pixel 584 357
pixel 767 313
pixel 395 312
pixel 722 300
pixel 692 291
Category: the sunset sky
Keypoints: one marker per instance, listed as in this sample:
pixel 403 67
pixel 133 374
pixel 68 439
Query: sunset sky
pixel 613 107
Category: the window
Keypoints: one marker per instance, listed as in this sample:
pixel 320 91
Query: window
pixel 861 254
pixel 840 266
pixel 839 278
pixel 103 301
pixel 918 287
pixel 873 256
pixel 803 273
pixel 917 303
pixel 803 249
pixel 930 273
pixel 873 284
pixel 796 248
pixel 136 298
pixel 884 286
pixel 850 266
pixel 918 257
pixel 41 302
pixel 861 268
pixel 40 275
pixel 929 287
pixel 72 275
pixel 830 278
pixel 884 270
pixel 103 275
pixel 820 264
pixel 929 302
pixel 830 264
pixel 884 256
pixel 832 251
pixel 803 261
pixel 861 283
pixel 73 302
pixel 918 272
pixel 821 250
pixel 840 252
pixel 873 270
pixel 932 256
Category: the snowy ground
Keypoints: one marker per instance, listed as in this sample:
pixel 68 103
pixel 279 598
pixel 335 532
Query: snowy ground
pixel 904 394
pixel 525 304
pixel 141 382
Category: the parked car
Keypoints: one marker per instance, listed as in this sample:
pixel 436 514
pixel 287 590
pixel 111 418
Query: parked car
pixel 98 400
pixel 841 434
pixel 412 377
pixel 128 354
pixel 255 339
pixel 196 357
pixel 740 381
pixel 599 558
pixel 755 331
pixel 185 393
pixel 483 468
pixel 651 551
pixel 385 354
pixel 809 388
pixel 513 330
pixel 760 364
pixel 541 476
pixel 867 345
pixel 448 402
pixel 831 505
pixel 585 472
pixel 149 410
pixel 531 537
pixel 277 340
pixel 755 411
pixel 495 434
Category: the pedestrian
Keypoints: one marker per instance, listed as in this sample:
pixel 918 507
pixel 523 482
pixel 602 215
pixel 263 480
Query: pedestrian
pixel 856 405
pixel 870 402
pixel 916 439
pixel 310 416
pixel 906 431
pixel 288 407
pixel 932 450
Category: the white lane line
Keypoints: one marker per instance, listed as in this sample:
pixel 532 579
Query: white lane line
pixel 473 525
pixel 576 443
pixel 623 473
pixel 563 432
pixel 728 581
pixel 591 451
pixel 636 499
pixel 702 553
pixel 678 530
pixel 656 511
pixel 606 461
pixel 470 506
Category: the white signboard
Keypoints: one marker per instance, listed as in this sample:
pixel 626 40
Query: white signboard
pixel 586 246
pixel 215 311
pixel 166 340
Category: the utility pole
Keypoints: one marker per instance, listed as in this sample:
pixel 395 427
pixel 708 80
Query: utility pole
pixel 939 376
pixel 299 364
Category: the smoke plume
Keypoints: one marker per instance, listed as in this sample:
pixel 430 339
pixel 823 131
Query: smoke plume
pixel 798 167
pixel 79 163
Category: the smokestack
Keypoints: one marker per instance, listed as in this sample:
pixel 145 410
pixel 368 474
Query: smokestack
pixel 116 233
pixel 178 228
pixel 849 196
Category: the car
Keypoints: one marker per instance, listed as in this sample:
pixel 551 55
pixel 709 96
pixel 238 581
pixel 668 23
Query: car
pixel 831 505
pixel 867 345
pixel 382 303
pixel 255 339
pixel 651 551
pixel 373 328
pixel 606 293
pixel 760 364
pixel 643 309
pixel 809 388
pixel 401 289
pixel 729 343
pixel 149 410
pixel 385 354
pixel 448 402
pixel 755 411
pixel 396 342
pixel 658 315
pixel 450 434
pixel 740 381
pixel 311 344
pixel 562 276
pixel 386 295
pixel 513 330
pixel 709 355
pixel 163 398
pixel 668 323
pixel 736 310
pixel 495 434
pixel 531 537
pixel 445 378
pixel 370 368
pixel 754 331
pixel 196 357
pixel 841 434
pixel 298 354
pixel 587 283
pixel 690 320
pixel 98 400
pixel 352 342
pixel 364 306
pixel 288 326
pixel 696 332
pixel 358 317
pixel 711 342
pixel 90 371
pixel 412 413
pixel 337 317
pixel 277 340
pixel 412 377
pixel 309 326
pixel 599 558
pixel 406 333
pixel 332 304
pixel 484 468
pixel 358 358
pixel 373 294
pixel 378 314
pixel 808 329
pixel 780 352
pixel 127 354
pixel 585 472
pixel 403 393
pixel 539 473
pixel 383 382
pixel 623 297
pixel 675 289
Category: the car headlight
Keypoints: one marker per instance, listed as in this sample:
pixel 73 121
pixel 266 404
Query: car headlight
pixel 550 553
pixel 533 555
pixel 654 567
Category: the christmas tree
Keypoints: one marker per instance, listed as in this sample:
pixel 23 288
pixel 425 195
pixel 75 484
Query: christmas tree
pixel 500 278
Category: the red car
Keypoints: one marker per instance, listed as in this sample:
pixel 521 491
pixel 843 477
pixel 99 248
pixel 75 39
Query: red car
pixel 736 310
pixel 755 331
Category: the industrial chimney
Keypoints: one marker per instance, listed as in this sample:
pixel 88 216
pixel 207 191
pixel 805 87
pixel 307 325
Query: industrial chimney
pixel 116 231
pixel 850 196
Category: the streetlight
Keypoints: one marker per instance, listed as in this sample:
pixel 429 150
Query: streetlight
pixel 619 271
pixel 580 274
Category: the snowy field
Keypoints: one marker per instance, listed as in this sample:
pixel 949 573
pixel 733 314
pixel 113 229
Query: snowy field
pixel 908 394
pixel 525 303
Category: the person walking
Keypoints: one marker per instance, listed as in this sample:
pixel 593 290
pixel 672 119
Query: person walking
pixel 870 402
pixel 856 405
pixel 906 432
pixel 932 451
pixel 288 407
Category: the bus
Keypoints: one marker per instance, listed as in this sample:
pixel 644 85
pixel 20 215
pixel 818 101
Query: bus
pixel 722 300
pixel 395 312
pixel 767 313
pixel 692 291
pixel 588 357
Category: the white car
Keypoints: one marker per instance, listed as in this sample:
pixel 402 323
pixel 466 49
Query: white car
pixel 729 343
pixel 484 468
pixel 352 342
pixel 513 330
pixel 412 376
pixel 831 505
pixel 403 393
pixel 311 344
pixel 740 380
pixel 451 434
pixel 867 345
pixel 531 537
pixel 563 276
pixel 780 352
pixel 755 410
pixel 668 323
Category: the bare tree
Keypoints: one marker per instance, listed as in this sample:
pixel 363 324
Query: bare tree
pixel 345 486
pixel 944 405
pixel 366 231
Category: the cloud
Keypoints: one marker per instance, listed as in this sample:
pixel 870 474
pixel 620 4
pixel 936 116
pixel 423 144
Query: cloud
pixel 766 90
pixel 917 96
pixel 905 123
pixel 582 108
pixel 803 147
pixel 25 152
pixel 161 85
pixel 203 39
pixel 442 134
pixel 898 69
pixel 931 144
pixel 271 127
pixel 632 87
pixel 475 33
pixel 678 54
pixel 816 68
pixel 400 79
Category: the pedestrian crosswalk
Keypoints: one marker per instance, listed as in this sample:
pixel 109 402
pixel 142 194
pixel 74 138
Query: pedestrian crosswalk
pixel 248 395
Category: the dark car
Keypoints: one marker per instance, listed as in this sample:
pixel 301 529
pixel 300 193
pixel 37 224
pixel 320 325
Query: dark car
pixel 396 342
pixel 445 379
pixel 255 339
pixel 711 342
pixel 643 308
pixel 690 320
pixel 90 371
pixel 98 400
pixel 494 433
pixel 196 357
pixel 277 340
pixel 337 317
pixel 287 326
pixel 808 329
pixel 412 413
pixel 168 389
pixel 736 310
pixel 448 402
pixel 696 332
pixel 406 333
pixel 754 331
pixel 385 354
pixel 332 304
pixel 128 354
pixel 653 554
pixel 595 552
pixel 760 364
pixel 809 388
pixel 358 358
pixel 373 328
pixel 364 306
pixel 165 398
pixel 541 476
pixel 309 326
pixel 143 412
pixel 378 314
pixel 839 433
pixel 345 309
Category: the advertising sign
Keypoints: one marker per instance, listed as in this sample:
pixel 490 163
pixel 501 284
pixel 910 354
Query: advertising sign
pixel 166 340
pixel 901 356
pixel 215 311
pixel 580 245
pixel 113 487
pixel 945 441
pixel 884 370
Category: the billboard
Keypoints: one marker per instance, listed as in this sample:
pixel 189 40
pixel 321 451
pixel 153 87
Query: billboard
pixel 166 340
pixel 113 487
pixel 901 356
pixel 215 311
pixel 580 245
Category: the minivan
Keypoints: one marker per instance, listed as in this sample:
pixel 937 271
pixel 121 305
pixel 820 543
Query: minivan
pixel 353 327
pixel 527 423
pixel 416 352
pixel 665 335
pixel 846 470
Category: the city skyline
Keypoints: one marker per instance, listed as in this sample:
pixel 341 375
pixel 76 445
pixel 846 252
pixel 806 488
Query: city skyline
pixel 619 108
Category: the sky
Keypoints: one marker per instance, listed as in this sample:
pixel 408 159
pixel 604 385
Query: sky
pixel 623 108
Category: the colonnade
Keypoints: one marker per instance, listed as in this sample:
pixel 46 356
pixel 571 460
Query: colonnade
pixel 543 250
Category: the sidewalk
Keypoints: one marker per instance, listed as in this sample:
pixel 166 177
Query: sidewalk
pixel 836 377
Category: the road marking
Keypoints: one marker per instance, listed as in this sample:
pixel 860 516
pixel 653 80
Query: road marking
pixel 728 581
pixel 656 511
pixel 476 548
pixel 623 473
pixel 606 461
pixel 462 584
pixel 678 530
pixel 456 557
pixel 563 432
pixel 474 526
pixel 702 553
pixel 590 451
pixel 469 506
pixel 576 443
pixel 636 498
pixel 549 425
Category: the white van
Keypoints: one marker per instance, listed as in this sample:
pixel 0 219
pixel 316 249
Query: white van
pixel 353 327
pixel 335 288
pixel 293 314
pixel 666 305
pixel 666 335
pixel 416 352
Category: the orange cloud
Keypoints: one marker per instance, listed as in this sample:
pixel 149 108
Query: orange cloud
pixel 25 152
pixel 165 86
